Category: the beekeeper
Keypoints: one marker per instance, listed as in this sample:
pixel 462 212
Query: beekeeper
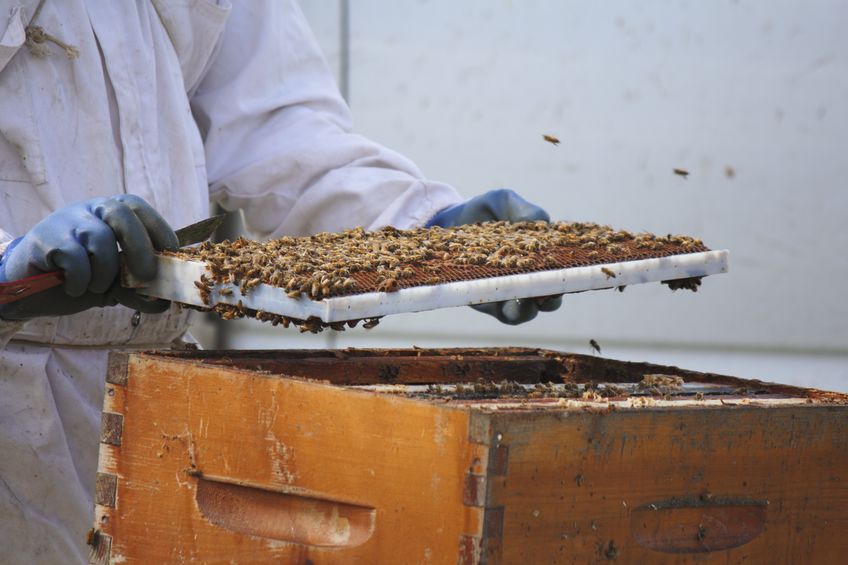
pixel 118 122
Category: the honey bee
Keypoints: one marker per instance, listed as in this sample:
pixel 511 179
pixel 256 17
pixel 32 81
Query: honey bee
pixel 226 291
pixel 595 347
pixel 608 273
pixel 388 285
pixel 524 262
pixel 510 261
pixel 552 139
pixel 372 323
pixel 681 172
pixel 204 289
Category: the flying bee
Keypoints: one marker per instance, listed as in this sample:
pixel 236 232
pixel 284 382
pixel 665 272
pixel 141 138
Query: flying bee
pixel 681 172
pixel 552 139
pixel 594 345
pixel 608 273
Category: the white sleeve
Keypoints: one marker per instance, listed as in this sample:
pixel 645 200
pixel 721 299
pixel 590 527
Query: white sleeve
pixel 278 140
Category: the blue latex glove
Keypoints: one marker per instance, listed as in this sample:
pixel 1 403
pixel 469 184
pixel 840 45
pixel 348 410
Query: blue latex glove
pixel 82 240
pixel 500 204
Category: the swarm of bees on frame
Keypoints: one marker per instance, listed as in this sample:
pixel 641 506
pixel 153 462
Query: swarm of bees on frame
pixel 356 261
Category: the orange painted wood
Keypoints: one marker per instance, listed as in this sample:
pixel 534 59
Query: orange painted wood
pixel 715 485
pixel 302 471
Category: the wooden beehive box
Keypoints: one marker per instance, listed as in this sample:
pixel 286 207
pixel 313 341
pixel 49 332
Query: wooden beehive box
pixel 375 456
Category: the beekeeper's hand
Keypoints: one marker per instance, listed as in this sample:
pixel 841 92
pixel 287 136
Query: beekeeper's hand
pixel 500 204
pixel 82 240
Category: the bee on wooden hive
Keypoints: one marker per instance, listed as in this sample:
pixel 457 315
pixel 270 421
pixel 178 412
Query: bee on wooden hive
pixel 92 538
pixel 552 139
pixel 372 323
pixel 608 272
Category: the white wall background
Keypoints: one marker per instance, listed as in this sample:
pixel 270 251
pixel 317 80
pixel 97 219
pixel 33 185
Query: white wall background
pixel 633 89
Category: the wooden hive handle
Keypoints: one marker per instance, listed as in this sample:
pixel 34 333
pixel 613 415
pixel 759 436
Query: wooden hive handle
pixel 286 517
pixel 694 525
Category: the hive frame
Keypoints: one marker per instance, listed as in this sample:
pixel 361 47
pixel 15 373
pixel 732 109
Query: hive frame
pixel 175 281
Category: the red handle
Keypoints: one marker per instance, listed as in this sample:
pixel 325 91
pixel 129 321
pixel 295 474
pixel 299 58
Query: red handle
pixel 15 290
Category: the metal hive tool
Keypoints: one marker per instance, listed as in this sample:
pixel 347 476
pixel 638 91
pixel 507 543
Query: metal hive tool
pixel 552 270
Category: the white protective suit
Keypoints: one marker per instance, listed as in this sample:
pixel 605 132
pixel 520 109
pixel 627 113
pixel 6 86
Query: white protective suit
pixel 174 101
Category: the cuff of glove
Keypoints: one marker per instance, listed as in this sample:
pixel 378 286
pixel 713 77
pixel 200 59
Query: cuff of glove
pixel 443 217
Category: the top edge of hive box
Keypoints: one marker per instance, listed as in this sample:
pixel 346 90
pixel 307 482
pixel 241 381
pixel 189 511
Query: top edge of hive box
pixel 399 371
